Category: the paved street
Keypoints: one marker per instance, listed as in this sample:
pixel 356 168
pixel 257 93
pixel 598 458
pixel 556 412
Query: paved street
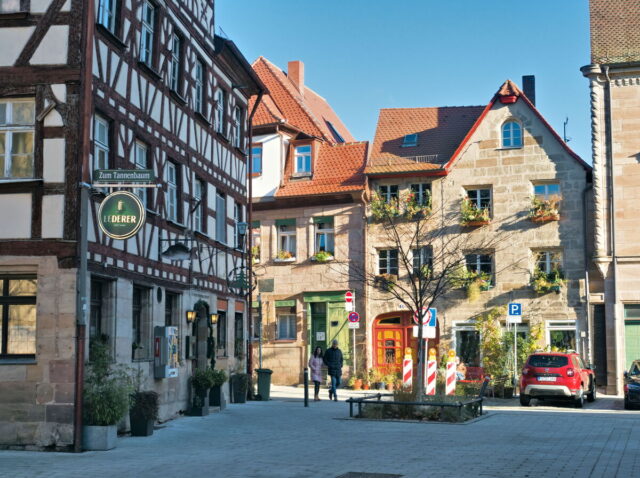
pixel 283 439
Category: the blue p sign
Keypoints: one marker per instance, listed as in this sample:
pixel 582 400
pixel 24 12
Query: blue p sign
pixel 515 309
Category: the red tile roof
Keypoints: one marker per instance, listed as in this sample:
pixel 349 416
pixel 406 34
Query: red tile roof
pixel 309 113
pixel 338 168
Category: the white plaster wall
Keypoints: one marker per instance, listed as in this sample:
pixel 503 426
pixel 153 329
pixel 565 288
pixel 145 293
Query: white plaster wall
pixel 53 159
pixel 52 216
pixel 272 161
pixel 17 37
pixel 53 47
pixel 15 216
pixel 40 6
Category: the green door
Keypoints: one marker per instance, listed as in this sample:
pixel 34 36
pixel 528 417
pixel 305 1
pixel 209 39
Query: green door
pixel 339 330
pixel 318 326
pixel 631 341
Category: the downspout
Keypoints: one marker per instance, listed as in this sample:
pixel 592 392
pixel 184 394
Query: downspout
pixel 249 236
pixel 589 350
pixel 81 230
pixel 365 289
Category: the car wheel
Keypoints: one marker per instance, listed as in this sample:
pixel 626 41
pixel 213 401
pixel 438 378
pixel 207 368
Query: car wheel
pixel 525 400
pixel 578 402
pixel 591 396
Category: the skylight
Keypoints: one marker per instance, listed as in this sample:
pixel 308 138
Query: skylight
pixel 410 140
pixel 335 133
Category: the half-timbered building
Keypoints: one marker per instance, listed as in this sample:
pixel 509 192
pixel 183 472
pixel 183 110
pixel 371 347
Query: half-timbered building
pixel 116 84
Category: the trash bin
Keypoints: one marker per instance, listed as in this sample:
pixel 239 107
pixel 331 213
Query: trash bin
pixel 264 382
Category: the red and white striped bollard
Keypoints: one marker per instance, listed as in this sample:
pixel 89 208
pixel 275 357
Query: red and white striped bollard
pixel 451 373
pixel 407 369
pixel 432 373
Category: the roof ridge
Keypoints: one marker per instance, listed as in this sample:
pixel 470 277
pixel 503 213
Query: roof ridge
pixel 348 143
pixel 431 107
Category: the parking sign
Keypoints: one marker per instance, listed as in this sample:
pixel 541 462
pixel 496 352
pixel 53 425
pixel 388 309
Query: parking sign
pixel 515 309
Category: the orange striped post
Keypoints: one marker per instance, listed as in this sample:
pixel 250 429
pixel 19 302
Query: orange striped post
pixel 451 373
pixel 432 372
pixel 407 368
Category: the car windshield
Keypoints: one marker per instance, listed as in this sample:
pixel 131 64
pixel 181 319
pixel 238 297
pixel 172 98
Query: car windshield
pixel 635 370
pixel 549 361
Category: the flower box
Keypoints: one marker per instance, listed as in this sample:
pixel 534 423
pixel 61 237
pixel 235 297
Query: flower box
pixel 322 256
pixel 290 259
pixel 476 223
pixel 545 218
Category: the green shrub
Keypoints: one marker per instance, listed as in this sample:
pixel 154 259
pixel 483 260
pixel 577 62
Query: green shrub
pixel 202 379
pixel 219 377
pixel 145 405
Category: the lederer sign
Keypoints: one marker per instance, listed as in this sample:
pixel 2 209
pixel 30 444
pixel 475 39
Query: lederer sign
pixel 121 215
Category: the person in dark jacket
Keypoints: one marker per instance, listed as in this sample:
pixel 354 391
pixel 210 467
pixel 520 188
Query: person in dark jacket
pixel 333 360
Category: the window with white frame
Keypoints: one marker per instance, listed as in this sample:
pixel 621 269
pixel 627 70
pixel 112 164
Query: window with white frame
pixel 303 159
pixel 200 88
pixel 237 217
pixel 548 261
pixel 255 242
pixel 17 126
pixel 100 143
pixel 546 191
pixel 256 155
pixel 286 241
pixel 221 217
pixel 220 107
pixel 286 327
pixel 236 137
pixel 324 235
pixel 176 62
pixel 561 335
pixel 106 14
pixel 141 152
pixel 511 135
pixel 480 263
pixel 388 261
pixel 10 6
pixel 480 198
pixel 147 36
pixel 172 191
pixel 422 193
pixel 467 344
pixel 422 257
pixel 388 192
pixel 18 294
pixel 410 140
pixel 200 204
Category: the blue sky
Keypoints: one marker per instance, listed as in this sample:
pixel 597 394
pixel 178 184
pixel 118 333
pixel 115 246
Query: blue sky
pixel 363 55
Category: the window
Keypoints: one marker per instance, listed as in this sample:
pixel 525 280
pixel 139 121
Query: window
pixel 511 135
pixel 256 153
pixel 324 235
pixel 17 120
pixel 220 107
pixel 172 191
pixel 410 140
pixel 480 198
pixel 561 335
pixel 18 316
pixel 388 192
pixel 422 193
pixel 171 309
pixel 335 133
pixel 388 261
pixel 147 34
pixel 221 217
pixel 200 205
pixel 548 361
pixel 287 241
pixel 468 345
pixel 222 332
pixel 546 191
pixel 286 327
pixel 141 324
pixel 548 261
pixel 255 242
pixel 141 152
pixel 200 88
pixel 99 310
pixel 106 14
pixel 237 217
pixel 176 62
pixel 100 143
pixel 236 138
pixel 303 159
pixel 422 257
pixel 239 336
pixel 632 311
pixel 10 6
pixel 480 263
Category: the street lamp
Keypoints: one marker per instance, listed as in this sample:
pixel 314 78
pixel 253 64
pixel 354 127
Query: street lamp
pixel 191 316
pixel 213 319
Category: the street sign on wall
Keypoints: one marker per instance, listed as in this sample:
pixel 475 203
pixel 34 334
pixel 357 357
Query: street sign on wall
pixel 130 176
pixel 121 215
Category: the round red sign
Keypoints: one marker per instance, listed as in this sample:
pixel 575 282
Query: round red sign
pixel 348 296
pixel 426 316
pixel 354 317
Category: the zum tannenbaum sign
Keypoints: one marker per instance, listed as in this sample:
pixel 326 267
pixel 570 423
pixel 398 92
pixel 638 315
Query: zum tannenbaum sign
pixel 121 215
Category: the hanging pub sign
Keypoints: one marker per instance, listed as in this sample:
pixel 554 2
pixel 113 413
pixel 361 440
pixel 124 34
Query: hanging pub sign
pixel 129 176
pixel 121 215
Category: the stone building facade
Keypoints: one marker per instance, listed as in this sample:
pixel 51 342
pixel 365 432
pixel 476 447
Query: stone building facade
pixel 498 157
pixel 614 81
pixel 111 84
pixel 307 224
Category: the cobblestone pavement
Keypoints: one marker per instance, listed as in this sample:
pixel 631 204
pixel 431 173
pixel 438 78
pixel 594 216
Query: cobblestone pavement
pixel 281 438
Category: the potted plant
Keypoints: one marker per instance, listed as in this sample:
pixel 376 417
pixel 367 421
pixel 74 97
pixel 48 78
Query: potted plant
pixel 285 256
pixel 239 387
pixel 385 282
pixel 143 413
pixel 472 282
pixel 473 215
pixel 544 282
pixel 544 210
pixel 202 381
pixel 216 397
pixel 106 399
pixel 255 254
pixel 322 256
pixel 390 381
pixel 378 380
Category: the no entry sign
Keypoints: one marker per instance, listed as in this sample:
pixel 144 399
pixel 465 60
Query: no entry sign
pixel 348 296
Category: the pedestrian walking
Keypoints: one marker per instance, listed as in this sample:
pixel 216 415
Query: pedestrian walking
pixel 333 360
pixel 315 364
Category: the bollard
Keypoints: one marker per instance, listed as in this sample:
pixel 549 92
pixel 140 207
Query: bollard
pixel 451 373
pixel 407 369
pixel 306 387
pixel 431 373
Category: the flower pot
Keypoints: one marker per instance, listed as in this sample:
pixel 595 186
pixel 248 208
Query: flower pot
pixel 140 425
pixel 381 385
pixel 96 438
pixel 200 406
pixel 365 386
pixel 357 384
pixel 476 223
pixel 239 386
pixel 391 386
pixel 545 218
pixel 216 397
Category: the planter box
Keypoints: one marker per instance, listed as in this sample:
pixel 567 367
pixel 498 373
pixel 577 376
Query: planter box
pixel 140 426
pixel 292 259
pixel 99 438
pixel 547 218
pixel 328 259
pixel 239 387
pixel 216 397
pixel 200 406
pixel 475 223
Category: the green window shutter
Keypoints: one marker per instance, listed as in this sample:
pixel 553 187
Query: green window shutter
pixel 324 296
pixel 255 224
pixel 286 222
pixel 323 220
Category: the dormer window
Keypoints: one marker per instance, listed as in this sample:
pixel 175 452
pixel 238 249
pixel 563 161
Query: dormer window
pixel 511 135
pixel 303 159
pixel 410 140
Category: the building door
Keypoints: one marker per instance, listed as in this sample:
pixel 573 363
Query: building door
pixel 318 325
pixel 631 334
pixel 600 344
pixel 339 330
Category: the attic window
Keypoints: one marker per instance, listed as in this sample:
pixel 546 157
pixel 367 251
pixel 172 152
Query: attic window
pixel 303 159
pixel 410 140
pixel 335 133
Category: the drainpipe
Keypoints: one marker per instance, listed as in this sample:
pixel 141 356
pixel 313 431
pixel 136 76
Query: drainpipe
pixel 249 220
pixel 589 350
pixel 365 289
pixel 81 231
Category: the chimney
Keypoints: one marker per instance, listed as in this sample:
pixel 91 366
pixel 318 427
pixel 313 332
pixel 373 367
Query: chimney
pixel 295 72
pixel 529 87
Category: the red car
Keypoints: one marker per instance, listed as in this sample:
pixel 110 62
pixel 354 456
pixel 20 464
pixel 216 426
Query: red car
pixel 557 376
